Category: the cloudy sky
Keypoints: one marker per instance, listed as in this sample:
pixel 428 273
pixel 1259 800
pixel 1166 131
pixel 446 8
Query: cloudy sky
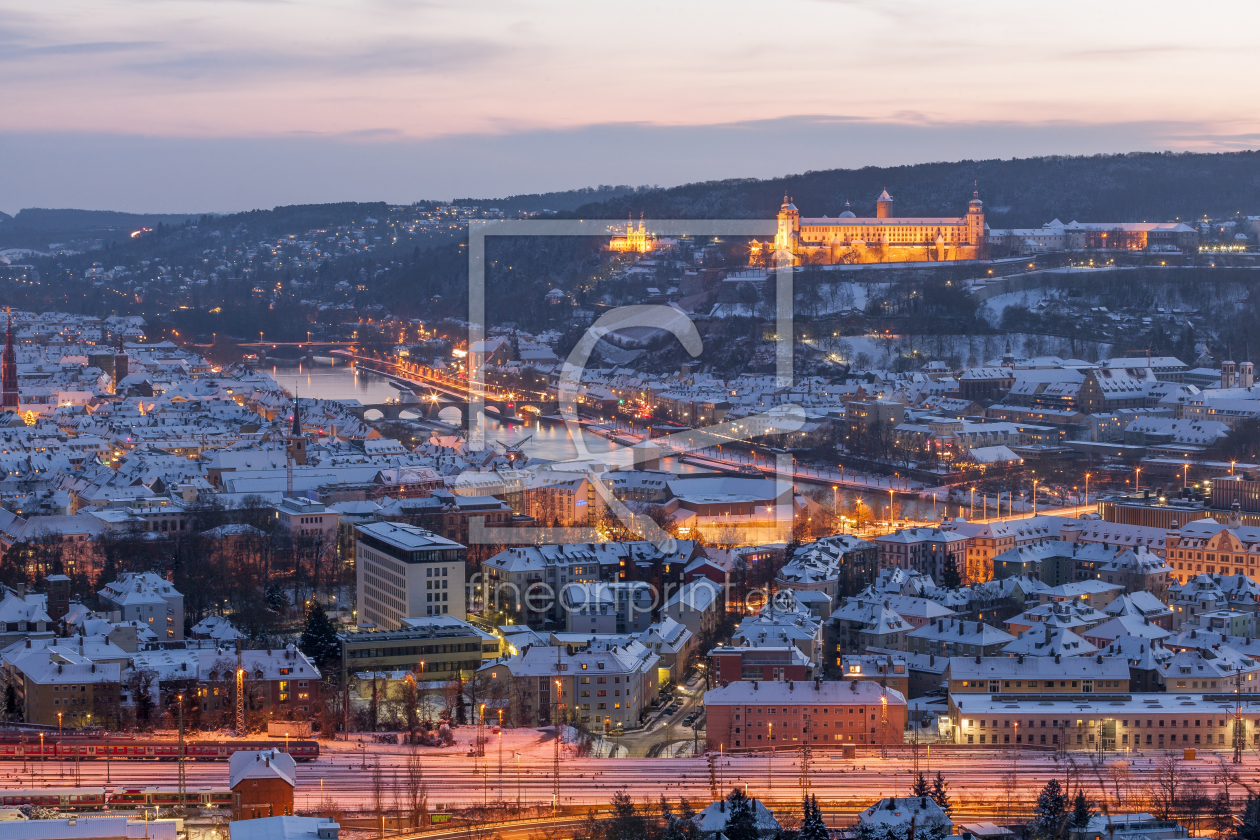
pixel 191 105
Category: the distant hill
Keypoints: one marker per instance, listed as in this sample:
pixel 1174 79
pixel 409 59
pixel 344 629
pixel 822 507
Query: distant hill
pixel 1017 193
pixel 86 221
pixel 559 201
pixel 297 218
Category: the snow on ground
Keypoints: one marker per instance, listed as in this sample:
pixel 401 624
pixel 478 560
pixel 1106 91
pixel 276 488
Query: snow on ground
pixel 999 303
pixel 882 351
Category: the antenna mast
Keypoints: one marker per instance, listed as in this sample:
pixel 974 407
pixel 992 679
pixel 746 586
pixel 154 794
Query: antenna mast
pixel 240 695
pixel 555 760
pixel 1239 734
pixel 183 781
pixel 805 756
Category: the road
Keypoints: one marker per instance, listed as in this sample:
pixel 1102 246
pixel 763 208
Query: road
pixel 665 731
pixel 983 781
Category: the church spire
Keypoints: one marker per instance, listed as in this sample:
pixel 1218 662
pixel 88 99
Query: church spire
pixel 9 398
pixel 295 446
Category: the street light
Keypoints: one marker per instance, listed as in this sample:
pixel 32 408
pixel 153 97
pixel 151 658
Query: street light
pixel 1086 489
pixel 1137 479
pixel 770 761
pixel 481 750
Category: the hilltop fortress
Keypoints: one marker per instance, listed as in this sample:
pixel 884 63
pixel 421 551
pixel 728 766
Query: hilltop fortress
pixel 885 238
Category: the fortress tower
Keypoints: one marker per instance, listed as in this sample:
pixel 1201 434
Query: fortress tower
pixel 884 206
pixel 975 219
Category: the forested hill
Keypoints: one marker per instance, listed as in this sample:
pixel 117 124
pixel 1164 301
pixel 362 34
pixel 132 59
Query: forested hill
pixel 557 201
pixel 1017 193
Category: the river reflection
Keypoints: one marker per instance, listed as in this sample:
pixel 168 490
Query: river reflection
pixel 335 379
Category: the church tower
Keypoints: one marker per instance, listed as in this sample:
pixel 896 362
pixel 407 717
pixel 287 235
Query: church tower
pixel 8 370
pixel 975 220
pixel 789 228
pixel 121 365
pixel 295 447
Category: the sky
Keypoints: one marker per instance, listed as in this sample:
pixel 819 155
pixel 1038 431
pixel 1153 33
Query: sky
pixel 223 105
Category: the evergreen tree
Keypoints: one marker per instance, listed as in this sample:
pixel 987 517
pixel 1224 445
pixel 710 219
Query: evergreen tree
pixel 12 711
pixel 1050 815
pixel 1080 810
pixel 950 575
pixel 319 638
pixel 813 827
pixel 686 821
pixel 921 786
pixel 940 793
pixel 671 826
pixel 1249 829
pixel 461 706
pixel 591 828
pixel 1222 815
pixel 626 822
pixel 741 817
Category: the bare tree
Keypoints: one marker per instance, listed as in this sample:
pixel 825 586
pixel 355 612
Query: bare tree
pixel 1166 781
pixel 417 790
pixel 378 797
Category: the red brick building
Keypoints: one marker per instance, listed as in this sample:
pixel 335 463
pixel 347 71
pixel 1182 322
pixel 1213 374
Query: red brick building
pixel 263 782
pixel 732 663
pixel 752 715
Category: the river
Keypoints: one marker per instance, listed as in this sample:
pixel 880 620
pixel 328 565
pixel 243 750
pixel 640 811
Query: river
pixel 335 379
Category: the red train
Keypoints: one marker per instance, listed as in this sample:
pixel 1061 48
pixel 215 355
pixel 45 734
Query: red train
pixel 70 747
pixel 96 799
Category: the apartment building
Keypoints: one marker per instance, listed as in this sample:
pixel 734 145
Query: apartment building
pixel 149 599
pixel 607 686
pixel 922 550
pixel 826 713
pixel 307 518
pixel 406 572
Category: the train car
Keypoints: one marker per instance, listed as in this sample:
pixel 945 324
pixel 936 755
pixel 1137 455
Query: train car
pixel 19 750
pixel 74 799
pixel 76 748
pixel 169 797
pixel 300 750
